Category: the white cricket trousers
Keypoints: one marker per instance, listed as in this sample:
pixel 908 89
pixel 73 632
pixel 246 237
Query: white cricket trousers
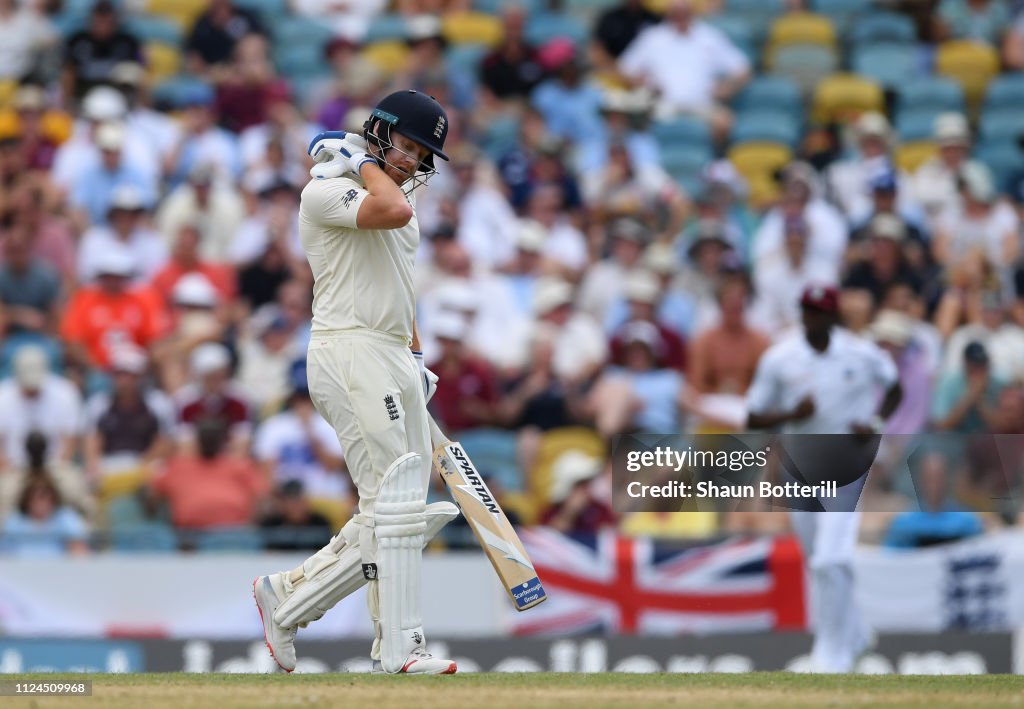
pixel 828 540
pixel 368 386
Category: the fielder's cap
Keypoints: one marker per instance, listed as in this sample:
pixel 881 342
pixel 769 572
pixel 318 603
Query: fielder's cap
pixel 661 259
pixel 976 180
pixel 872 124
pixel 104 103
pixel 629 229
pixel 551 294
pixel 892 327
pixel 10 126
pixel 127 198
pixel 820 297
pixel 888 226
pixel 31 365
pixel 115 260
pixel 30 98
pixel 128 73
pixel 449 326
pixel 642 287
pixel 571 468
pixel 128 359
pixel 975 353
pixel 641 332
pixel 110 136
pixel 208 358
pixel 531 236
pixel 951 129
pixel 194 290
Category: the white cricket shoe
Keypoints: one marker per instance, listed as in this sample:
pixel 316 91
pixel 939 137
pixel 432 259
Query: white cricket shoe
pixel 421 662
pixel 280 641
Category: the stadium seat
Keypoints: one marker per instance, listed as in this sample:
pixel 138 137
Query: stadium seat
pixel 153 28
pixel 937 94
pixel 184 12
pixel 8 87
pixel 494 451
pixel 911 156
pixel 801 28
pixel 543 27
pixel 739 31
pixel 301 60
pixel 842 97
pixel 685 162
pixel 758 163
pixel 386 27
pixel 466 56
pixel 805 64
pixel 878 26
pixel 1005 91
pixel 681 131
pixel 335 511
pixel 501 136
pixel 293 31
pixel 228 539
pixel 162 60
pixel 146 537
pixel 270 11
pixel 124 511
pixel 170 93
pixel 1003 157
pixel 57 126
pixel 891 65
pixel 841 12
pixel 472 28
pixel 766 125
pixel 774 92
pixel 389 57
pixel 1001 125
pixel 917 124
pixel 552 445
pixel 68 22
pixel 971 63
pixel 759 14
pixel 494 7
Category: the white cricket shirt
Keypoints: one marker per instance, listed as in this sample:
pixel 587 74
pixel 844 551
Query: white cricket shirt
pixel 846 381
pixel 363 278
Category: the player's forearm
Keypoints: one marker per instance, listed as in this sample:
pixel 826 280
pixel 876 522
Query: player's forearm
pixel 386 206
pixel 891 402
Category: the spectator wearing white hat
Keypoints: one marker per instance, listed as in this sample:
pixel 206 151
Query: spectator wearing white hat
pixel 130 426
pixel 212 395
pixel 468 397
pixel 580 349
pixel 128 227
pixel 195 318
pixel 603 282
pixel 573 506
pixel 185 259
pixel 935 182
pixel 642 293
pixel 93 189
pixel 210 203
pixel 36 399
pixel 893 331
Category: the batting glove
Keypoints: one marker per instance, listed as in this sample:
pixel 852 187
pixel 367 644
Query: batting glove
pixel 337 152
pixel 429 378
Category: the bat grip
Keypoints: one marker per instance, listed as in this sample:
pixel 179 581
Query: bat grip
pixel 437 437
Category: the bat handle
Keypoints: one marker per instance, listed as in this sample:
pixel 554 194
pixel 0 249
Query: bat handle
pixel 437 437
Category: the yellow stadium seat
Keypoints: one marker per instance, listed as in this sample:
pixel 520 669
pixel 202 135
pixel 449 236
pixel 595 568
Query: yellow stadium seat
pixel 184 12
pixel 757 162
pixel 842 97
pixel 670 525
pixel 337 512
pixel 911 156
pixel 971 63
pixel 8 88
pixel 553 444
pixel 472 28
pixel 57 126
pixel 802 28
pixel 389 57
pixel 122 483
pixel 162 61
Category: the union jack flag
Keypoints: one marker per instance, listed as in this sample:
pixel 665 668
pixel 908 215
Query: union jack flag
pixel 614 584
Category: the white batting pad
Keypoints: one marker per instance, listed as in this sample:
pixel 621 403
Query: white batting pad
pixel 400 526
pixel 327 583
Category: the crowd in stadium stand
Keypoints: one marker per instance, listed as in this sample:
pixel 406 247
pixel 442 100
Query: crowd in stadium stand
pixel 637 195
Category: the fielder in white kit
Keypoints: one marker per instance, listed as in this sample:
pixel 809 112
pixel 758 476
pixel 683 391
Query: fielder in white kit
pixel 826 380
pixel 358 227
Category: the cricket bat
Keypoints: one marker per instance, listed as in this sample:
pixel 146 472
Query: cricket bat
pixel 491 527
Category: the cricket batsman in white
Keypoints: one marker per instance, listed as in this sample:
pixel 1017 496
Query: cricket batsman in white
pixel 357 222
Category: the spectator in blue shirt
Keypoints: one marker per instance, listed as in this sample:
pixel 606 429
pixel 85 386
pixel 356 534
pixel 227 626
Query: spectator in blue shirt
pixel 42 526
pixel 93 188
pixel 939 520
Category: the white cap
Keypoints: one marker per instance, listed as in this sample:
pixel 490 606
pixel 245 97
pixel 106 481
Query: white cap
pixel 449 326
pixel 570 468
pixel 661 259
pixel 643 332
pixel 888 226
pixel 457 296
pixel 893 327
pixel 531 236
pixel 104 103
pixel 127 197
pixel 551 294
pixel 423 27
pixel 872 124
pixel 31 365
pixel 115 260
pixel 642 286
pixel 208 358
pixel 128 358
pixel 977 180
pixel 110 136
pixel 195 289
pixel 951 129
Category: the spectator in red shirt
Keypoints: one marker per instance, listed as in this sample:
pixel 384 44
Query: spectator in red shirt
pixel 214 488
pixel 642 294
pixel 467 395
pixel 574 509
pixel 212 395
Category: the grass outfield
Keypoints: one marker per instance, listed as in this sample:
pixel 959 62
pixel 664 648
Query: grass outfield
pixel 531 691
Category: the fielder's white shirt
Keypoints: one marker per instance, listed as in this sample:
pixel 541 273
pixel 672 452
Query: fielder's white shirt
pixel 363 278
pixel 846 381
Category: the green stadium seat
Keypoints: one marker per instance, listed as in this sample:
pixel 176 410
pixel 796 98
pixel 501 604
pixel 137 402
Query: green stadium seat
pixel 153 28
pixel 681 131
pixel 301 60
pixel 931 93
pixel 891 65
pixel 143 538
pixel 685 161
pixel 916 124
pixel 805 64
pixel 841 12
pixel 774 92
pixel 169 94
pixel 502 135
pixel 766 125
pixel 268 10
pixel 466 56
pixel 292 31
pixel 68 22
pixel 494 451
pixel 1003 157
pixel 541 28
pixel 229 539
pixel 740 31
pixel 1001 125
pixel 882 27
pixel 494 7
pixel 1005 91
pixel 386 27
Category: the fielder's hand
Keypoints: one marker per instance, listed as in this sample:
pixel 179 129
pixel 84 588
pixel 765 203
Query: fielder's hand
pixel 429 378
